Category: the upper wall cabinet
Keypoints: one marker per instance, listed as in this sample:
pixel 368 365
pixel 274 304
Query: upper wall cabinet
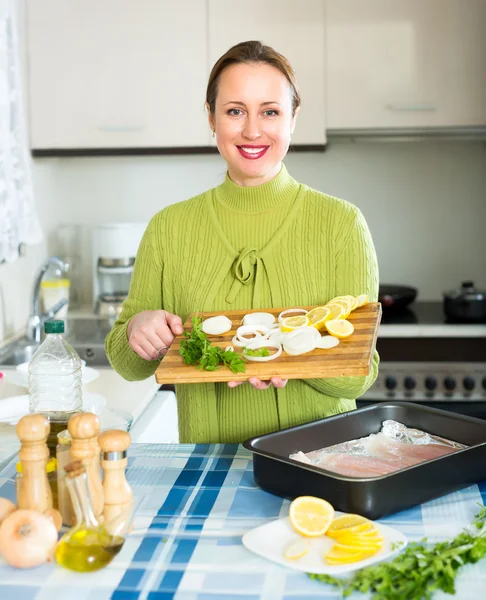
pixel 405 63
pixel 117 73
pixel 296 30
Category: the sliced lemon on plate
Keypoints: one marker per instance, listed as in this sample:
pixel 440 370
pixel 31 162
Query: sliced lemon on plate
pixel 372 548
pixel 310 516
pixel 339 328
pixel 318 316
pixel 349 523
pixel 353 540
pixel 371 536
pixel 337 556
pixel 297 549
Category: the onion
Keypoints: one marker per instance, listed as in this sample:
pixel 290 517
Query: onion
pixel 263 344
pixel 216 325
pixel 236 342
pixel 55 516
pixel 257 330
pixel 258 318
pixel 27 539
pixel 6 507
pixel 301 311
pixel 229 349
pixel 277 336
pixel 301 340
pixel 327 341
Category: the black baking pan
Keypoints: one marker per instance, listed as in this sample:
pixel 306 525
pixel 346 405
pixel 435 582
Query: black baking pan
pixel 372 497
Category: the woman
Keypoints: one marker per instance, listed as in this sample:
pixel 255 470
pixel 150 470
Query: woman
pixel 258 240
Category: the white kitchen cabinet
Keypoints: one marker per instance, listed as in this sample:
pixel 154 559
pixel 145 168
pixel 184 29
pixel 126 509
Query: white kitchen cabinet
pixel 296 30
pixel 117 73
pixel 405 63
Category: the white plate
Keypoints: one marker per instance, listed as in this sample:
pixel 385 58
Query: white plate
pixel 21 378
pixel 271 539
pixel 14 408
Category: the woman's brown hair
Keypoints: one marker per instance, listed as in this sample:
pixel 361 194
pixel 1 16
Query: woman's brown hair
pixel 251 52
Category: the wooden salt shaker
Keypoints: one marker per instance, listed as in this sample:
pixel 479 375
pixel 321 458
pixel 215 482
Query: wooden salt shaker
pixel 34 491
pixel 114 444
pixel 84 429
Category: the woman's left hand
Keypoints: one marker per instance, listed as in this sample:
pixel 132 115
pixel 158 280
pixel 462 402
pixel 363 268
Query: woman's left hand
pixel 258 384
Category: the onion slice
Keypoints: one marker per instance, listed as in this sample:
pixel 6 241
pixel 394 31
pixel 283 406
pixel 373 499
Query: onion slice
pixel 263 344
pixel 301 341
pixel 327 341
pixel 216 325
pixel 258 318
pixel 257 330
pixel 281 316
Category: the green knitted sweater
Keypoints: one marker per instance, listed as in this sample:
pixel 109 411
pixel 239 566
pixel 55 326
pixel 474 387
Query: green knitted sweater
pixel 280 244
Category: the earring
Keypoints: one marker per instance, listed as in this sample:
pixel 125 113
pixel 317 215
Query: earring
pixel 214 132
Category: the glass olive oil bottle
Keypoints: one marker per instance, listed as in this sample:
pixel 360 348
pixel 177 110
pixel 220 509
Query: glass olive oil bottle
pixel 87 546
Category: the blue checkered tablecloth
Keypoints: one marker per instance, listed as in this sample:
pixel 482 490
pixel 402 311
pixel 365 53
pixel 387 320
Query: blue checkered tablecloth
pixel 195 502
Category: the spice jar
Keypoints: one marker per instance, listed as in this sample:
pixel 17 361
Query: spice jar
pixel 65 506
pixel 51 470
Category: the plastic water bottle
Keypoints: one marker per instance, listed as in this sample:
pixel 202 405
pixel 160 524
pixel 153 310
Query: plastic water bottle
pixel 55 381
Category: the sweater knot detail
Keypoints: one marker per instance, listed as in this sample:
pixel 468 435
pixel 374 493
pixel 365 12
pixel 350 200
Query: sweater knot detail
pixel 247 268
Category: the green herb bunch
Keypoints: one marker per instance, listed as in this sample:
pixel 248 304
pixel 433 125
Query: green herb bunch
pixel 197 349
pixel 420 569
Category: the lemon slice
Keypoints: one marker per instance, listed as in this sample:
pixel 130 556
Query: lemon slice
pixel 338 311
pixel 311 516
pixel 344 303
pixel 344 536
pixel 318 316
pixel 362 299
pixel 337 556
pixel 339 328
pixel 349 522
pixel 372 548
pixel 356 541
pixel 297 549
pixel 291 323
pixel 353 301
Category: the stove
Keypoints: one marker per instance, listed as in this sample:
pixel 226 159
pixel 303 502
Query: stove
pixel 427 360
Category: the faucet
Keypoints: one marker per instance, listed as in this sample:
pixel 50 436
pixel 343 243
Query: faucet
pixel 36 319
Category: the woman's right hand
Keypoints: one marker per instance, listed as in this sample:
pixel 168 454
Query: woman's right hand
pixel 151 332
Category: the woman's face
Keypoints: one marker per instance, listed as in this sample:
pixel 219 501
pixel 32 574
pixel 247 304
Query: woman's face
pixel 253 121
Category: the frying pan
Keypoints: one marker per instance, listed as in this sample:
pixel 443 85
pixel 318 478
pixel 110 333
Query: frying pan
pixel 396 296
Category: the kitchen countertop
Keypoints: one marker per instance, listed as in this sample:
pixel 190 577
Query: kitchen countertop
pixel 196 502
pixel 130 396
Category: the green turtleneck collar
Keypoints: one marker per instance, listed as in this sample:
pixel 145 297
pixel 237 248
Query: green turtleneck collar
pixel 261 197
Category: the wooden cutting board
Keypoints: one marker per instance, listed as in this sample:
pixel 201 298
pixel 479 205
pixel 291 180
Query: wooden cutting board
pixel 352 357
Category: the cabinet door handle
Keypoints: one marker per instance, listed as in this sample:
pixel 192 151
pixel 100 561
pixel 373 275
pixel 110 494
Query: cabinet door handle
pixel 412 107
pixel 119 128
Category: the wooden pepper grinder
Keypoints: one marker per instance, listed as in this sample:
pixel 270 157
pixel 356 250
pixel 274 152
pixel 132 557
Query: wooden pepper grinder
pixel 84 429
pixel 34 491
pixel 114 444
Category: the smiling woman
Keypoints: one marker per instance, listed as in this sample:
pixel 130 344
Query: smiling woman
pixel 252 102
pixel 258 240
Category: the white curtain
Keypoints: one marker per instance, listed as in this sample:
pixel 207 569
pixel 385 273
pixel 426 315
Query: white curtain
pixel 18 218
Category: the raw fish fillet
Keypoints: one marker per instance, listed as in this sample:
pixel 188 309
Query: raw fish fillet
pixel 381 445
pixel 356 465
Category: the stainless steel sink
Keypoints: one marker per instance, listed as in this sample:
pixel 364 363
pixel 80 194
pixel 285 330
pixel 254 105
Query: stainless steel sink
pixel 86 336
pixel 16 354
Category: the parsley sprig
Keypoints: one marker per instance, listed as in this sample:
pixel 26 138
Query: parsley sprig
pixel 420 570
pixel 197 349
